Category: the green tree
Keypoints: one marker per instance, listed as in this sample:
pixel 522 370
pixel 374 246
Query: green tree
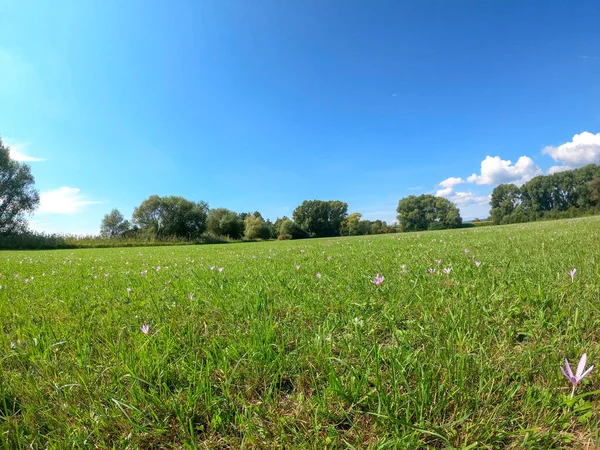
pixel 505 198
pixel 321 218
pixel 351 225
pixel 427 212
pixel 223 222
pixel 18 197
pixel 255 227
pixel 171 216
pixel 114 225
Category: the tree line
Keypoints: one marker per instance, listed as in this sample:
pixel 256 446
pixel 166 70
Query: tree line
pixel 177 217
pixel 565 194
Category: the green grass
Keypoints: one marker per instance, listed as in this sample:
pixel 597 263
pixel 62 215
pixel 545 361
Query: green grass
pixel 268 356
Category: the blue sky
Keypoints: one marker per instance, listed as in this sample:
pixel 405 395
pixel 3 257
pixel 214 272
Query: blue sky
pixel 261 105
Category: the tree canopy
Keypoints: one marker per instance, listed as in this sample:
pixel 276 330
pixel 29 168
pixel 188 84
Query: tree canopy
pixel 18 197
pixel 171 216
pixel 114 225
pixel 223 222
pixel 320 218
pixel 427 212
pixel 562 194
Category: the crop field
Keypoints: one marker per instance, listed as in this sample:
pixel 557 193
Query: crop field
pixel 449 339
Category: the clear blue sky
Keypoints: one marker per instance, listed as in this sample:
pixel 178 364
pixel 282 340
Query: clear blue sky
pixel 261 105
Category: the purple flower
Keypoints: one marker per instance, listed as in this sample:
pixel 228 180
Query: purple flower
pixel 465 251
pixel 378 280
pixel 143 272
pixel 297 267
pixel 579 375
pixel 431 271
pixel 128 290
pixel 220 269
pixel 26 280
pixel 191 296
pixel 318 274
pixel 572 273
pixel 477 263
pixel 447 270
pixel 212 267
pixel 438 261
pixel 145 329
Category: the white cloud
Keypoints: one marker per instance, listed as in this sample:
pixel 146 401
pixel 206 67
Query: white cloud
pixel 495 171
pixel 466 198
pixel 64 200
pixel 444 192
pixel 451 182
pixel 17 154
pixel 583 149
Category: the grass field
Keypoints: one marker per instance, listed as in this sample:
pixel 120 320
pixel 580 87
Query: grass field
pixel 266 354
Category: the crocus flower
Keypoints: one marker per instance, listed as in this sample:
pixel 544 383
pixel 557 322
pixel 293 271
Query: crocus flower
pixel 477 263
pixel 431 271
pixel 145 329
pixel 26 280
pixel 220 269
pixel 447 270
pixel 297 267
pixel 378 280
pixel 318 274
pixel 190 296
pixel 579 375
pixel 329 258
pixel 438 261
pixel 212 267
pixel 465 251
pixel 572 273
pixel 128 290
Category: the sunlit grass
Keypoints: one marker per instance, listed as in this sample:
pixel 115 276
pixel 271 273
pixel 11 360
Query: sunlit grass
pixel 265 354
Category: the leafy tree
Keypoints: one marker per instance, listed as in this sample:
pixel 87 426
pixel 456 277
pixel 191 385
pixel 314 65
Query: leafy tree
pixel 321 218
pixel 505 198
pixel 594 191
pixel 256 228
pixel 351 225
pixel 427 212
pixel 114 225
pixel 223 222
pixel 171 216
pixel 18 196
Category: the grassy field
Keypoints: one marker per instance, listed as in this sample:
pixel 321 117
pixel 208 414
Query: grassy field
pixel 246 347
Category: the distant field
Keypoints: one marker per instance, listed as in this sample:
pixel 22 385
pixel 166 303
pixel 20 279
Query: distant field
pixel 264 354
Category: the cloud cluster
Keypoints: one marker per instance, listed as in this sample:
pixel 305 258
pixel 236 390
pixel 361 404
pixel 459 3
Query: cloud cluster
pixel 64 200
pixel 583 149
pixel 495 170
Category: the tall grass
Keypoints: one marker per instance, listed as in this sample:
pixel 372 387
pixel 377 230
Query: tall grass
pixel 266 355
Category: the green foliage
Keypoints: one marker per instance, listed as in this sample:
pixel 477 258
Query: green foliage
pixel 223 222
pixel 320 218
pixel 286 227
pixel 427 212
pixel 570 193
pixel 114 225
pixel 173 216
pixel 18 196
pixel 267 355
pixel 255 227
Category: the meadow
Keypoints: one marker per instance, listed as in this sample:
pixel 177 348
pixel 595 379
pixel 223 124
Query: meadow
pixel 300 344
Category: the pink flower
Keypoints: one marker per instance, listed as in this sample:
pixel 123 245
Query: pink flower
pixel 190 296
pixel 297 267
pixel 212 267
pixel 145 329
pixel 477 263
pixel 26 280
pixel 329 258
pixel 579 375
pixel 318 274
pixel 447 270
pixel 465 251
pixel 128 290
pixel 378 280
pixel 143 272
pixel 438 261
pixel 220 269
pixel 431 271
pixel 572 273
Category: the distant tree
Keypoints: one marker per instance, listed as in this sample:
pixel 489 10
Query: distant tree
pixel 256 228
pixel 351 225
pixel 171 216
pixel 114 225
pixel 223 222
pixel 321 218
pixel 18 196
pixel 505 198
pixel 427 212
pixel 594 191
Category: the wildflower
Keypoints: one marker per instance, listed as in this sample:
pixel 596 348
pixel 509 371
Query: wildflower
pixel 438 261
pixel 26 280
pixel 572 273
pixel 212 267
pixel 579 375
pixel 128 290
pixel 465 251
pixel 329 258
pixel 220 269
pixel 318 274
pixel 143 272
pixel 297 267
pixel 105 274
pixel 145 328
pixel 477 263
pixel 447 270
pixel 431 271
pixel 378 280
pixel 190 296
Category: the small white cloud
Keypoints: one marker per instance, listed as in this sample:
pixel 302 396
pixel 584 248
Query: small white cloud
pixel 495 171
pixel 466 198
pixel 444 192
pixel 17 154
pixel 583 149
pixel 451 182
pixel 64 200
